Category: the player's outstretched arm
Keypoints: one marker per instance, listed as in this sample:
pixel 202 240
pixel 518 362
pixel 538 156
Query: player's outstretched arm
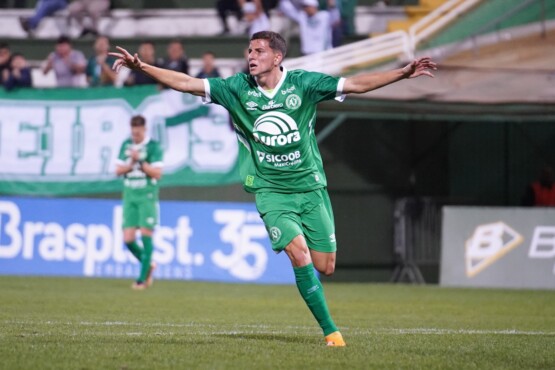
pixel 176 80
pixel 370 81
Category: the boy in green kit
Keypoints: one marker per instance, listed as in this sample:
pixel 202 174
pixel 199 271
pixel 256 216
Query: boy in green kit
pixel 140 163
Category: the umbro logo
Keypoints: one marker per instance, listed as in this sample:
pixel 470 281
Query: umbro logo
pixel 251 105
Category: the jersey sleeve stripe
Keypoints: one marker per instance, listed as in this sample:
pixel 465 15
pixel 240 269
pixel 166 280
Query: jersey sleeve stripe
pixel 207 99
pixel 339 96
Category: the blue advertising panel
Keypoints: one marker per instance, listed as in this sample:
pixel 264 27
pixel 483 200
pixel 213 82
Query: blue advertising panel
pixel 83 237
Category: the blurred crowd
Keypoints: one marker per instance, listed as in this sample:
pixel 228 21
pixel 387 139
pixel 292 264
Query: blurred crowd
pixel 321 24
pixel 72 68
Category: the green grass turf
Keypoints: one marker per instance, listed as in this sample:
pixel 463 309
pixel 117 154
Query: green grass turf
pixel 62 323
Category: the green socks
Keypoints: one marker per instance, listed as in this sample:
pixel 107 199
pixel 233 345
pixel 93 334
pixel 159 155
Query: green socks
pixel 146 257
pixel 312 292
pixel 135 249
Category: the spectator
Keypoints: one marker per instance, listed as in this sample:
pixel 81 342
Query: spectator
pixel 18 75
pixel 541 193
pixel 315 26
pixel 176 59
pixel 146 52
pixel 5 59
pixel 43 9
pixel 224 7
pixel 335 8
pixel 208 67
pixel 99 66
pixel 256 17
pixel 69 65
pixel 94 9
pixel 348 10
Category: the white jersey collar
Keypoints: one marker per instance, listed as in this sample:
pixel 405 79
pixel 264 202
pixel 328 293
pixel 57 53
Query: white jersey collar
pixel 144 142
pixel 278 86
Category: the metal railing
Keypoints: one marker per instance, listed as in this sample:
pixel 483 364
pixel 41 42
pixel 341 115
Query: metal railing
pixel 417 237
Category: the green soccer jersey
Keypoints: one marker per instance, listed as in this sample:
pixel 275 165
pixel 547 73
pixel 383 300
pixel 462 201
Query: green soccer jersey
pixel 137 183
pixel 279 151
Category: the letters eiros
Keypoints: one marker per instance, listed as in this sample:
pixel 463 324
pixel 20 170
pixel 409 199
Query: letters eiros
pixel 90 244
pixel 49 139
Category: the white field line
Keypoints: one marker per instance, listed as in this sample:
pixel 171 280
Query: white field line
pixel 213 329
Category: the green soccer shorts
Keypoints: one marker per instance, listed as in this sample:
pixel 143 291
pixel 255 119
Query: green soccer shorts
pixel 287 215
pixel 141 212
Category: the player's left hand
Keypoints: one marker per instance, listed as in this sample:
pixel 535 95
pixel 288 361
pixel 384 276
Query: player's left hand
pixel 124 58
pixel 420 67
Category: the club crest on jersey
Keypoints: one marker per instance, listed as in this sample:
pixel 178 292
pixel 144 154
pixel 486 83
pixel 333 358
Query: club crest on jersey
pixel 293 101
pixel 275 234
pixel 276 129
pixel 272 105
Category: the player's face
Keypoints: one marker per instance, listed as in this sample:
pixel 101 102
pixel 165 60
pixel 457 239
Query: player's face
pixel 261 58
pixel 138 134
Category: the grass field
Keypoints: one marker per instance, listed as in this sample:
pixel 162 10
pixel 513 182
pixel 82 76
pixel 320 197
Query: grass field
pixel 61 323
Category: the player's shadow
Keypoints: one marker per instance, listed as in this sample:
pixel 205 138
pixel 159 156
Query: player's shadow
pixel 268 337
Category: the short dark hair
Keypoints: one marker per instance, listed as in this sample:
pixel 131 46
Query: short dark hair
pixel 275 40
pixel 4 45
pixel 63 40
pixel 138 121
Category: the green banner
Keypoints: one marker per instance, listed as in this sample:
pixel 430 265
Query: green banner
pixel 66 141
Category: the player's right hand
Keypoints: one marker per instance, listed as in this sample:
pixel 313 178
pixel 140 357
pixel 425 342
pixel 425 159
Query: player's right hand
pixel 124 58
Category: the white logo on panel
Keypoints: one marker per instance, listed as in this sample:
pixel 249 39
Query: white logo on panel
pixel 489 243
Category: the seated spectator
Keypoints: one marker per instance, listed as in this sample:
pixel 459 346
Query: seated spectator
pixel 94 9
pixel 176 60
pixel 5 58
pixel 69 65
pixel 43 9
pixel 99 66
pixel 256 17
pixel 18 75
pixel 147 54
pixel 224 7
pixel 208 67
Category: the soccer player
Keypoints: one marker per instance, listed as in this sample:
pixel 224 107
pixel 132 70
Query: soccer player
pixel 274 113
pixel 140 163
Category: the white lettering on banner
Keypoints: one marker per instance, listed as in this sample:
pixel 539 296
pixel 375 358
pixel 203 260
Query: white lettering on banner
pixel 241 227
pixel 93 244
pixel 75 140
pixel 543 242
pixel 489 243
pixel 10 211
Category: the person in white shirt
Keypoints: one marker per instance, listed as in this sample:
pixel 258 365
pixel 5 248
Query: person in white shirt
pixel 255 16
pixel 315 26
